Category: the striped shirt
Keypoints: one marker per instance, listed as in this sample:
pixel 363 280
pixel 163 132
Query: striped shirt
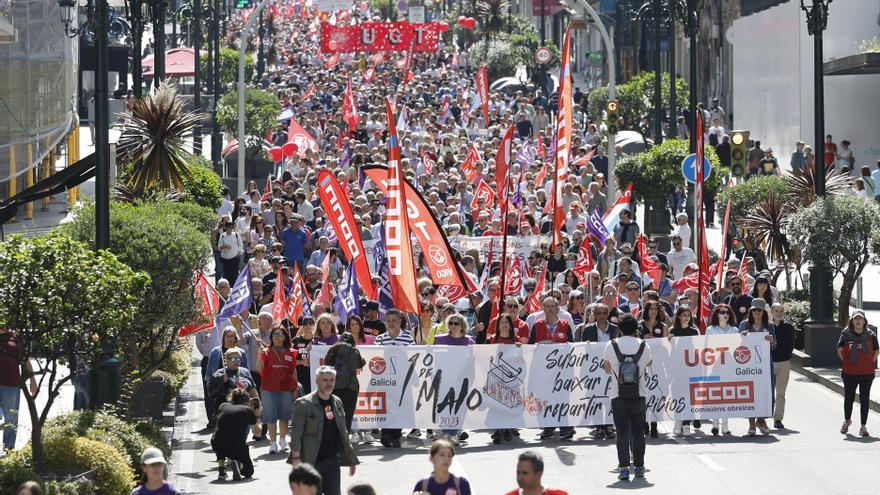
pixel 404 338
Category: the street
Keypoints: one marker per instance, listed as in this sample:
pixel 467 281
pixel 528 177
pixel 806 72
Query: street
pixel 809 457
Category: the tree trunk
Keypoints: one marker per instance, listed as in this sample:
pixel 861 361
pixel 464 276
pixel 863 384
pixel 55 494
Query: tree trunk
pixel 843 301
pixel 36 433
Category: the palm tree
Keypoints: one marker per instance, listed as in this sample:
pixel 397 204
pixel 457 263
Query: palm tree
pixel 492 12
pixel 802 188
pixel 767 225
pixel 152 141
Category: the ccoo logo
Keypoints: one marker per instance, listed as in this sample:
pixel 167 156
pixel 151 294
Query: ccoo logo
pixel 378 365
pixel 742 354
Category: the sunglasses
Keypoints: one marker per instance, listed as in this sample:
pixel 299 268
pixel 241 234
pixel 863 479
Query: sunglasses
pixel 454 324
pixel 277 334
pixel 234 359
pixel 633 289
pixel 723 313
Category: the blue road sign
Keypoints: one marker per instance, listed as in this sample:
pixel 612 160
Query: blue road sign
pixel 690 172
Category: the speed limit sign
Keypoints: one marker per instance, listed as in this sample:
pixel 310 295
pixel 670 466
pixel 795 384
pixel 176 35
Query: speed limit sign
pixel 543 55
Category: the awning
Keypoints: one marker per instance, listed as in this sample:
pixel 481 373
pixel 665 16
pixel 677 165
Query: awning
pixel 179 62
pixel 71 176
pixel 862 63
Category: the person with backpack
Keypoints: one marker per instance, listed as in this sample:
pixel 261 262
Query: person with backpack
pixel 347 360
pixel 441 481
pixel 626 359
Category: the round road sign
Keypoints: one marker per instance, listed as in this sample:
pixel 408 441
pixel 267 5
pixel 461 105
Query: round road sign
pixel 543 55
pixel 690 172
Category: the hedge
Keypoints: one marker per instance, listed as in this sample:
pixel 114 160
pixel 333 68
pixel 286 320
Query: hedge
pixel 745 195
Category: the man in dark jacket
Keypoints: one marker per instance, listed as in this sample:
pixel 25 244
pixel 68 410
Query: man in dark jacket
pixel 781 360
pixel 601 331
pixel 320 437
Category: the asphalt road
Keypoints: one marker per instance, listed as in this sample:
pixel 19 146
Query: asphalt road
pixel 810 456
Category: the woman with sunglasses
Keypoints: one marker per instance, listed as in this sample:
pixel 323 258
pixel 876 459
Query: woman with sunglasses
pixel 577 307
pixel 722 322
pixel 758 321
pixel 505 333
pixel 457 327
pixel 277 367
pixel 683 326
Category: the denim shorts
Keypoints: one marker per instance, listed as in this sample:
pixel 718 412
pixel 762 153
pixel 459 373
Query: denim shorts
pixel 276 406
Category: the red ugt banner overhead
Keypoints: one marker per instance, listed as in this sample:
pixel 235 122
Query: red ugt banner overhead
pixel 381 37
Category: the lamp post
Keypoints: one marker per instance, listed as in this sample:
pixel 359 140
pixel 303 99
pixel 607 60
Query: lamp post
pixel 216 136
pixel 820 328
pixel 158 8
pixel 96 23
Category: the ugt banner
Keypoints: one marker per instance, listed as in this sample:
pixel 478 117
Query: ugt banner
pixel 531 386
pixel 381 37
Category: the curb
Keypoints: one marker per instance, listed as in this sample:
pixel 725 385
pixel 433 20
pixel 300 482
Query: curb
pixel 798 363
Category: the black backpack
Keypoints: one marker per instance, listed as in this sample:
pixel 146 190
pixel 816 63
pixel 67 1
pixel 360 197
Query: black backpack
pixel 628 372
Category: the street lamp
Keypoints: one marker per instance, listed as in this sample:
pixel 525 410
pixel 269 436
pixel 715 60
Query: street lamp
pixel 97 23
pixel 820 328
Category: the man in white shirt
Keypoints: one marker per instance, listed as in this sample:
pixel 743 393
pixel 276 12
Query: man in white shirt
pixel 679 257
pixel 876 176
pixel 627 392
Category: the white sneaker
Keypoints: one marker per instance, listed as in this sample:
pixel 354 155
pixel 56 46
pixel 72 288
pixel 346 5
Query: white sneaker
pixel 677 429
pixel 273 448
pixel 686 430
pixel 282 444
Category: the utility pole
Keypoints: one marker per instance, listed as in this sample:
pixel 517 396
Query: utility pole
pixel 216 135
pixel 159 35
pixel 658 76
pixel 673 99
pixel 102 130
pixel 197 75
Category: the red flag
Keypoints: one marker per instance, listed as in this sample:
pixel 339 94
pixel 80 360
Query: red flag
pixel 723 252
pixel 563 138
pixel 309 91
pixel 326 293
pixel 349 109
pixel 483 192
pixel 502 164
pixel 444 107
pixel 514 280
pixel 702 247
pixel 440 260
pixel 332 62
pixel 541 151
pixel 534 304
pixel 278 298
pixel 428 163
pixel 584 160
pixel 646 264
pixel 209 302
pixel 267 191
pixel 483 89
pixel 293 305
pixel 584 263
pixel 542 174
pixel 369 74
pixel 338 209
pixel 401 269
pixel 451 292
pixel 468 167
pixel 302 139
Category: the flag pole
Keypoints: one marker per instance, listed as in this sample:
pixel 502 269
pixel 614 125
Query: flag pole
pixel 503 285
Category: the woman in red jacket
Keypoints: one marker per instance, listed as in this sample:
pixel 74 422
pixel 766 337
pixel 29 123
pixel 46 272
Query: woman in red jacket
pixel 858 350
pixel 277 366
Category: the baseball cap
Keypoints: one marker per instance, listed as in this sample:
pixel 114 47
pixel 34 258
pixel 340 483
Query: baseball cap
pixel 153 455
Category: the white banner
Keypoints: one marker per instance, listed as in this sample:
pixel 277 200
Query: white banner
pixel 505 386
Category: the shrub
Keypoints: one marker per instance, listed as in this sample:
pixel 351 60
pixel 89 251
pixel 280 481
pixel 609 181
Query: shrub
pixel 204 219
pixel 176 370
pixel 76 487
pixel 636 97
pixel 657 172
pixel 261 111
pixel 203 185
pixel 105 428
pixel 16 468
pixel 745 195
pixel 113 475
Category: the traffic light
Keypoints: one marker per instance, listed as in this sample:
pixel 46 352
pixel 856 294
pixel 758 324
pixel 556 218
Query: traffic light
pixel 613 118
pixel 739 152
pixel 244 4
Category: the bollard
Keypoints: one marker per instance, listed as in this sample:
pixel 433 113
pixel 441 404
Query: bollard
pixel 104 382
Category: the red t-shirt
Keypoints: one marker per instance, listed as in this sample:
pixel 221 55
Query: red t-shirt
pixel 522 329
pixel 547 491
pixel 279 370
pixel 865 363
pixel 10 359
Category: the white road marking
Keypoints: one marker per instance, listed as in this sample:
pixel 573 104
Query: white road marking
pixel 714 466
pixel 185 458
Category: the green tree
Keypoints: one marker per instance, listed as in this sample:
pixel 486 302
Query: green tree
pixel 203 185
pixel 842 231
pixel 260 110
pixel 745 195
pixel 636 97
pixel 162 240
pixel 152 140
pixel 59 295
pixel 229 67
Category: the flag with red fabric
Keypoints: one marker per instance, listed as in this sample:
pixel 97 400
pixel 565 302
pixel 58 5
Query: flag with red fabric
pixel 325 296
pixel 310 90
pixel 514 279
pixel 484 192
pixel 208 301
pixel 428 163
pixel 349 109
pixel 646 263
pixel 469 164
pixel 267 191
pixel 278 298
pixel 534 303
pixel 563 138
pixel 502 164
pixel 332 62
pixel 298 297
pixel 483 92
pixel 702 248
pixel 584 263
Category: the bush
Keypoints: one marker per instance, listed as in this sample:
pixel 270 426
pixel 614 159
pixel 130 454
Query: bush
pixel 203 185
pixel 16 468
pixel 502 57
pixel 113 475
pixel 261 112
pixel 745 195
pixel 657 172
pixel 176 370
pixel 204 219
pixel 103 427
pixel 77 487
pixel 636 97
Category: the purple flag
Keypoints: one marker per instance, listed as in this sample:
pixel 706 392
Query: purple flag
pixel 347 302
pixel 241 297
pixel 597 227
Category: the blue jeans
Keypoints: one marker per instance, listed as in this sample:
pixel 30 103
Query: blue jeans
pixel 9 403
pixel 80 392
